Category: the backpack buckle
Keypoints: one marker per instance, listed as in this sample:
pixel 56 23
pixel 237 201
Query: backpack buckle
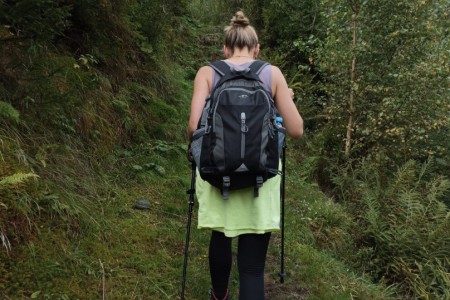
pixel 226 183
pixel 259 183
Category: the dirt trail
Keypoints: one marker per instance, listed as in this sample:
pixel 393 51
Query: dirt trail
pixel 282 291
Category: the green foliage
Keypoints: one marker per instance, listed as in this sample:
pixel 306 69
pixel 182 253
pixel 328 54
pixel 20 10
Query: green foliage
pixel 9 183
pixel 289 21
pixel 102 89
pixel 144 115
pixel 153 19
pixel 74 95
pixel 42 20
pixel 400 74
pixel 15 179
pixel 103 30
pixel 160 114
pixel 314 266
pixel 213 12
pixel 8 112
pixel 401 225
pixel 53 90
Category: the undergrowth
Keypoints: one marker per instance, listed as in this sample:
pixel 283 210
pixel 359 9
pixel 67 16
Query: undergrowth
pixel 90 126
pixel 400 227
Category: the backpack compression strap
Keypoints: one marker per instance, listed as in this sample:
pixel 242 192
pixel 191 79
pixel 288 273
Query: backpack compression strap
pixel 226 186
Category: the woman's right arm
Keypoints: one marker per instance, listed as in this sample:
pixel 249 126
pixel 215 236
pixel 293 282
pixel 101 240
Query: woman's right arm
pixel 202 88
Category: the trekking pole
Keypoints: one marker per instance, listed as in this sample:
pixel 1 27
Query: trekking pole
pixel 191 193
pixel 282 195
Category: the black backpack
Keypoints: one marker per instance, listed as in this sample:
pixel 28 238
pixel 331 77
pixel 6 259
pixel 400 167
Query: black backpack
pixel 239 137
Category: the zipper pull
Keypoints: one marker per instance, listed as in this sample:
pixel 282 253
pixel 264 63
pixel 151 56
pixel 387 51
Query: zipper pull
pixel 244 127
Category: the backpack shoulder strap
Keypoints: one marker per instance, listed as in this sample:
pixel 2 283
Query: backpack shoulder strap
pixel 258 65
pixel 227 72
pixel 220 67
pixel 223 68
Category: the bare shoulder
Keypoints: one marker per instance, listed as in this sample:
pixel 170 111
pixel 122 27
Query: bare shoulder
pixel 277 75
pixel 276 71
pixel 203 78
pixel 278 82
pixel 204 72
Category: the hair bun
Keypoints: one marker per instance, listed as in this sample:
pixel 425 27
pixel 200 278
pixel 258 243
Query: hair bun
pixel 239 19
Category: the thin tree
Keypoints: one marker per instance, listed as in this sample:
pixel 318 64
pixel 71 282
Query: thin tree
pixel 350 124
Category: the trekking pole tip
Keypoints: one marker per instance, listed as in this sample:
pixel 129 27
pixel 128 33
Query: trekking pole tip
pixel 282 275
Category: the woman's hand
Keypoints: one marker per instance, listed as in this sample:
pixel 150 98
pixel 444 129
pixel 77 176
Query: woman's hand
pixel 291 92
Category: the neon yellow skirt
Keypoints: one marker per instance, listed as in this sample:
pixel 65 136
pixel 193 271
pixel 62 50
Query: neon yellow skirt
pixel 242 212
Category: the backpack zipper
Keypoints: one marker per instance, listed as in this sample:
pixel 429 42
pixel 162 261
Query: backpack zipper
pixel 244 129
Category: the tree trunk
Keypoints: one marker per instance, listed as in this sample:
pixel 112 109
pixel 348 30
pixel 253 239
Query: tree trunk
pixel 348 140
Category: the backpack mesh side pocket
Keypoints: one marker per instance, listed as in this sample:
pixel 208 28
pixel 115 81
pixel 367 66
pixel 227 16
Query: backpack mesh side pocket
pixel 196 145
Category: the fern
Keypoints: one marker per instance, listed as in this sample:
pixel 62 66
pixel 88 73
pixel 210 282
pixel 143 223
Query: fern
pixel 16 179
pixel 405 226
pixel 8 112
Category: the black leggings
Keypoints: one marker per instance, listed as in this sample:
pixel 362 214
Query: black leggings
pixel 251 258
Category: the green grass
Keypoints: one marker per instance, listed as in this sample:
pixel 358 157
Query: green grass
pixel 75 235
pixel 138 254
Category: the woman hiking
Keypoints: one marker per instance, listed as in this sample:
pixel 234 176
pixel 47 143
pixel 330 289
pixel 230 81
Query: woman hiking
pixel 250 222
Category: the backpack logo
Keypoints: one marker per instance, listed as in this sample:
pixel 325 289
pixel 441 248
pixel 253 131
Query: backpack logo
pixel 237 143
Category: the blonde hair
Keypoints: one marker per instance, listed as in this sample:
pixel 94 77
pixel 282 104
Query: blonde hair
pixel 240 33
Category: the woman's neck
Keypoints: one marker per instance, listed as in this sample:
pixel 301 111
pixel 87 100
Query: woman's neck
pixel 242 53
pixel 240 57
